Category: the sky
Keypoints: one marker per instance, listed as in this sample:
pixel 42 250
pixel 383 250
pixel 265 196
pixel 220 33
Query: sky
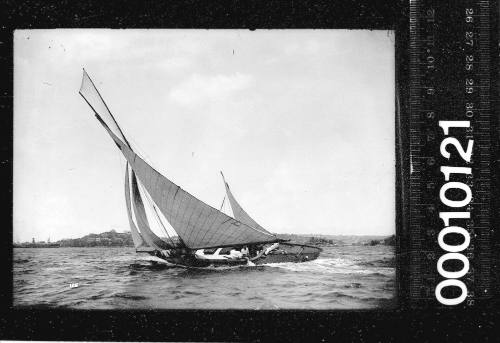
pixel 301 122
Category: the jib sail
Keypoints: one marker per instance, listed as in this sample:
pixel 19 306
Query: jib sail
pixel 136 236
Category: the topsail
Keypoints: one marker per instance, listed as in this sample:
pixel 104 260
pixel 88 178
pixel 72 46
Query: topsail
pixel 238 212
pixel 197 224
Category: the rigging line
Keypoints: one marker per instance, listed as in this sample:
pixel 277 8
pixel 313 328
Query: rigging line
pixel 184 211
pixel 229 209
pixel 162 225
pixel 143 191
pixel 174 207
pixel 125 166
pixel 221 206
pixel 158 218
pixel 169 202
pixel 152 204
pixel 156 215
pixel 141 152
pixel 172 243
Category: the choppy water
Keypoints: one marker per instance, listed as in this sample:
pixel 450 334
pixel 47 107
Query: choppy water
pixel 344 277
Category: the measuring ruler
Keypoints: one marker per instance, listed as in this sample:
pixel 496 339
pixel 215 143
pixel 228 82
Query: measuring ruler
pixel 450 76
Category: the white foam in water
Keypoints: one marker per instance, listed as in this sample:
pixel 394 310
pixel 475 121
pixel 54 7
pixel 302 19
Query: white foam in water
pixel 331 265
pixel 321 265
pixel 324 265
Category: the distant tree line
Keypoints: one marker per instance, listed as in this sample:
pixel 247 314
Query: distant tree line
pixel 110 238
pixel 319 241
pixel 391 240
pixel 124 239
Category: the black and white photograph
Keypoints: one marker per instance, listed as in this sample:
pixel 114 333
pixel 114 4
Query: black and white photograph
pixel 204 169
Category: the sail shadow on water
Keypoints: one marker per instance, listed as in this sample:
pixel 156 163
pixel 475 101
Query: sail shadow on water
pixel 202 236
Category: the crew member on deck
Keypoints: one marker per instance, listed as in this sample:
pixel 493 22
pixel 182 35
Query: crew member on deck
pixel 235 253
pixel 244 251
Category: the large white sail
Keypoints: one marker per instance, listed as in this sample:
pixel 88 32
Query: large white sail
pixel 142 220
pixel 238 212
pixel 197 224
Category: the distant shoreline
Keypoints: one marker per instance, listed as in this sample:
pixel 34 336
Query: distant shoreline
pixel 124 239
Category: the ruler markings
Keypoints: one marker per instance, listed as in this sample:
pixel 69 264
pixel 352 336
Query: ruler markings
pixel 424 32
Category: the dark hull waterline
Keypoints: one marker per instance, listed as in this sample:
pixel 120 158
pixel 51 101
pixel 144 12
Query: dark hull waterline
pixel 287 253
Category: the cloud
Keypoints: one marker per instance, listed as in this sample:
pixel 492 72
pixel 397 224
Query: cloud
pixel 174 64
pixel 201 88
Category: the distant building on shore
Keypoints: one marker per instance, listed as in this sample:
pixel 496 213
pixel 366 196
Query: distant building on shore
pixel 34 244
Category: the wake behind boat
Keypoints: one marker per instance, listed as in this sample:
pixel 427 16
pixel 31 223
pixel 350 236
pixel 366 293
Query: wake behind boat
pixel 203 236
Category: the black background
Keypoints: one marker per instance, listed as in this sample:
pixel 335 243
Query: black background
pixel 399 325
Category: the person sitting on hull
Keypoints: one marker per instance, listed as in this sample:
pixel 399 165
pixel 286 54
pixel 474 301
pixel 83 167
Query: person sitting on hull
pixel 255 250
pixel 233 253
pixel 244 251
pixel 271 248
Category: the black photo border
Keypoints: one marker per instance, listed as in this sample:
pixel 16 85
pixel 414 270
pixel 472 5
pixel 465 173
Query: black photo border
pixel 398 324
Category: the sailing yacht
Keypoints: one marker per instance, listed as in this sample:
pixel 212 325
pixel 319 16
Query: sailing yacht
pixel 204 236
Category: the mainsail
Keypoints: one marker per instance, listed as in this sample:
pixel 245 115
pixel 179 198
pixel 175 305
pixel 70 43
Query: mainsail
pixel 238 212
pixel 197 224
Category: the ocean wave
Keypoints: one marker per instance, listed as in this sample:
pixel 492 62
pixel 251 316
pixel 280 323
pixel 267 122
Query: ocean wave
pixel 342 277
pixel 333 266
pixel 337 294
pixel 97 296
pixel 325 264
pixel 384 262
pixel 27 271
pixel 130 296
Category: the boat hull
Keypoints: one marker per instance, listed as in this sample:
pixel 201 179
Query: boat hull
pixel 286 253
